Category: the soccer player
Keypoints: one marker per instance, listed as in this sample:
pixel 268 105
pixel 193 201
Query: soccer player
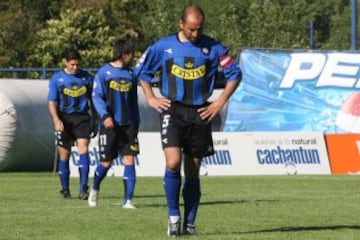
pixel 188 62
pixel 115 99
pixel 69 104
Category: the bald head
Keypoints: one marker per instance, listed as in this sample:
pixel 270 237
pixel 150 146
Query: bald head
pixel 191 23
pixel 192 11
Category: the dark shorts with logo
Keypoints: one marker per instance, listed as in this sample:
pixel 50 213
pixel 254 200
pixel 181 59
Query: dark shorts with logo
pixel 120 139
pixel 75 126
pixel 181 126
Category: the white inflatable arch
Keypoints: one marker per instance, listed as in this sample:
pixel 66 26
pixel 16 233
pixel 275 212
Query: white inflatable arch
pixel 27 141
pixel 26 136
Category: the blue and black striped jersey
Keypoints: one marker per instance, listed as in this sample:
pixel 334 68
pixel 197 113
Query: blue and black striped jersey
pixel 187 70
pixel 71 92
pixel 115 94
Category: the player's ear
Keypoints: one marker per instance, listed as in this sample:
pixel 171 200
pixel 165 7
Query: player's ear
pixel 181 24
pixel 64 62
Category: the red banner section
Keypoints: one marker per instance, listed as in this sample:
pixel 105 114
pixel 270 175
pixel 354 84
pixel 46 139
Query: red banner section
pixel 344 153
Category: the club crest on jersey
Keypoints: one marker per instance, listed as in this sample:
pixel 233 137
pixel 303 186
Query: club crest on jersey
pixel 189 65
pixel 205 50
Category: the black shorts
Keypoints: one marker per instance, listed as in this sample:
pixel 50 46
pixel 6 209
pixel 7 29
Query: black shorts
pixel 120 139
pixel 181 126
pixel 75 126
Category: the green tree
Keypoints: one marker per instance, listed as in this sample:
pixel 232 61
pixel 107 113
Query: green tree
pixel 224 20
pixel 84 29
pixel 339 27
pixel 41 29
pixel 160 19
pixel 122 16
pixel 227 22
pixel 20 19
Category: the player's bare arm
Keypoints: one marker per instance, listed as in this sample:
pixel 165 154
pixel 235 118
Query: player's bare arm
pixel 210 111
pixel 159 104
pixel 58 124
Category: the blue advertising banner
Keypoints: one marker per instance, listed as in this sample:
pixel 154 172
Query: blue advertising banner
pixel 289 90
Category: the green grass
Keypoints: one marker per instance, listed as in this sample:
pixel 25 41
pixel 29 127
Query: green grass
pixel 241 207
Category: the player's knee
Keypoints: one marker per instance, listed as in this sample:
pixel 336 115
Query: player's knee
pixel 173 165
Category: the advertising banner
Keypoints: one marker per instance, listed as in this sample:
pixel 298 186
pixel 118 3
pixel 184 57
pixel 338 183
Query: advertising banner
pixel 259 153
pixel 276 120
pixel 268 153
pixel 289 90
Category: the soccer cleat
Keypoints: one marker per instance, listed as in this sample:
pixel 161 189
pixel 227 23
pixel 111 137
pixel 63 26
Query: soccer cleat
pixel 189 230
pixel 93 198
pixel 65 193
pixel 173 228
pixel 128 205
pixel 83 194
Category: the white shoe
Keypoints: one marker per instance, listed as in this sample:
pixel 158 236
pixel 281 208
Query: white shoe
pixel 93 198
pixel 128 205
pixel 174 226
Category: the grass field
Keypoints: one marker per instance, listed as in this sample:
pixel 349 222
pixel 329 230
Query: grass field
pixel 242 207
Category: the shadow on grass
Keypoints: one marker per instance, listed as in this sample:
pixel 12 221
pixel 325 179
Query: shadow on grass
pixel 150 196
pixel 306 228
pixel 206 202
pixel 202 203
pixel 292 229
pixel 238 201
pixel 137 196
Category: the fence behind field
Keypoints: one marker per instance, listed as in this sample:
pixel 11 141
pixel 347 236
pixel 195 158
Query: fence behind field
pixel 32 73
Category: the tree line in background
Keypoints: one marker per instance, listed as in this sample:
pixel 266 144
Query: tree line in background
pixel 34 33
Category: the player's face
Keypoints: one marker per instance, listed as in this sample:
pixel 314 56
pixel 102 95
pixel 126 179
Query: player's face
pixel 192 27
pixel 72 66
pixel 128 58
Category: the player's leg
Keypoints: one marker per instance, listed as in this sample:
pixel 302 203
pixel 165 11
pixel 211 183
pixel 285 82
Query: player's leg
pixel 129 180
pixel 84 165
pixel 99 175
pixel 64 145
pixel 107 154
pixel 129 147
pixel 172 127
pixel 198 143
pixel 81 132
pixel 172 186
pixel 191 193
pixel 64 171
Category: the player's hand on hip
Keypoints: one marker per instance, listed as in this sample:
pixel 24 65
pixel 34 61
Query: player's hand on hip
pixel 210 111
pixel 159 104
